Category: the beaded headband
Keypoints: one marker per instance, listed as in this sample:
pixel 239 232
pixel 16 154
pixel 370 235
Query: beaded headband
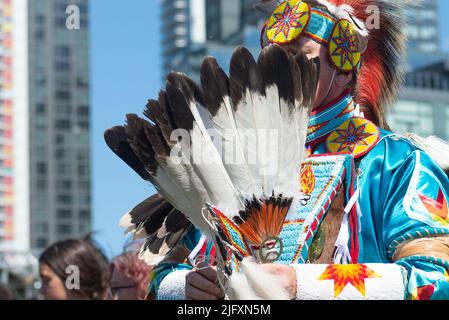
pixel 294 18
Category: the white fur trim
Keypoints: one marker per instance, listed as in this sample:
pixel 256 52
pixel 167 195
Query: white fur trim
pixel 390 286
pixel 254 283
pixel 239 288
pixel 173 286
pixel 436 148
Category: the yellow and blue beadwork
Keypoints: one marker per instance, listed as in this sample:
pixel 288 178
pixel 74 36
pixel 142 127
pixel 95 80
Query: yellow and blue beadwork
pixel 343 47
pixel 294 18
pixel 356 136
pixel 288 21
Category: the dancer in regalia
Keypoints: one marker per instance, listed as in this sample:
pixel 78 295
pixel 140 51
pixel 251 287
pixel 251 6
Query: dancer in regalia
pixel 362 214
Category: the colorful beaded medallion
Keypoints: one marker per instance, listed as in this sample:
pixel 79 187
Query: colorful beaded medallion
pixel 356 136
pixel 343 48
pixel 288 21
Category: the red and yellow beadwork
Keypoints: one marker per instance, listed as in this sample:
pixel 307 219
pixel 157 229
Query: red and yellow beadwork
pixel 342 275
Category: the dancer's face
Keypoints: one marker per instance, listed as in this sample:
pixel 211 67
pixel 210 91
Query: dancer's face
pixel 331 83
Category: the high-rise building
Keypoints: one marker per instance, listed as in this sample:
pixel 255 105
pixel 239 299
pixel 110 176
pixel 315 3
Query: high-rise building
pixel 59 124
pixel 192 29
pixel 8 230
pixel 423 107
pixel 44 123
pixel 422 30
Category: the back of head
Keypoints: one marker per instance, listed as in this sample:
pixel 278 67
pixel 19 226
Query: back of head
pixel 80 255
pixel 5 292
pixel 129 265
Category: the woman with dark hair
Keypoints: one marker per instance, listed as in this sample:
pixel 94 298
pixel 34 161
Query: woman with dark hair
pixel 73 270
pixel 129 277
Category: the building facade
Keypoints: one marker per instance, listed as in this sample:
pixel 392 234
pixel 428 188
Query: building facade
pixel 423 107
pixel 44 123
pixel 59 123
pixel 423 32
pixel 192 29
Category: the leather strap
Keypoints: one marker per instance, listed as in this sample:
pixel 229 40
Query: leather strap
pixel 437 247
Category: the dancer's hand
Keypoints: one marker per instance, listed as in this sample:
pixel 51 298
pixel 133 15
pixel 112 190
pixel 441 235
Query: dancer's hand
pixel 201 284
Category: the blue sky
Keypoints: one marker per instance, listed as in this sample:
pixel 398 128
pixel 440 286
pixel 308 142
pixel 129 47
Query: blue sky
pixel 126 64
pixel 125 67
pixel 444 24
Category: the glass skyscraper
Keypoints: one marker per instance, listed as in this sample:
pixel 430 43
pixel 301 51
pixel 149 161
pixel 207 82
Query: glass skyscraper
pixel 192 29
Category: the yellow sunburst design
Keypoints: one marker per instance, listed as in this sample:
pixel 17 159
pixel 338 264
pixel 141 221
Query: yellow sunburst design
pixel 288 21
pixel 357 136
pixel 354 274
pixel 343 47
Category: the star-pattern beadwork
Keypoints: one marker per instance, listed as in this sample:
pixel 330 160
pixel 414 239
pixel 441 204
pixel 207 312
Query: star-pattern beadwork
pixel 348 139
pixel 342 275
pixel 287 20
pixel 345 45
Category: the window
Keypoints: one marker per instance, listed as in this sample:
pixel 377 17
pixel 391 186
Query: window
pixel 40 19
pixel 41 184
pixel 60 154
pixel 39 34
pixel 82 169
pixel 63 168
pixel 60 22
pixel 41 227
pixel 63 124
pixel 64 229
pixel 84 185
pixel 82 83
pixel 64 184
pixel 41 167
pixel 64 199
pixel 84 214
pixel 63 95
pixel 62 66
pixel 41 242
pixel 63 51
pixel 83 111
pixel 83 124
pixel 41 108
pixel 59 139
pixel 64 214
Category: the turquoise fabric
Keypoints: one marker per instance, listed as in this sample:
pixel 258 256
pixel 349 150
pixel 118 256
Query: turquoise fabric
pixel 320 25
pixel 330 118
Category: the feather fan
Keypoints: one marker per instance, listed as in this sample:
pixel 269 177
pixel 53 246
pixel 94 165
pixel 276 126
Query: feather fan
pixel 235 144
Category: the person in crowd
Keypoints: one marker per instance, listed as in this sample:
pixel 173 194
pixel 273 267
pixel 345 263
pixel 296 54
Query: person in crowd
pixel 74 270
pixel 5 292
pixel 129 277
